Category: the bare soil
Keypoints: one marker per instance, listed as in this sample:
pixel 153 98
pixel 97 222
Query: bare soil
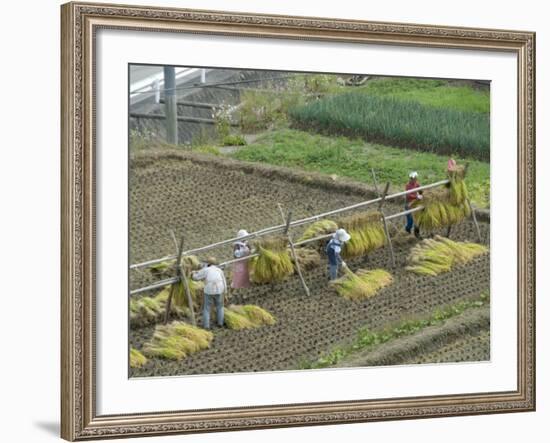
pixel 210 200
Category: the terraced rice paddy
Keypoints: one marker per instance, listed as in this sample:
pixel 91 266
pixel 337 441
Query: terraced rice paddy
pixel 209 199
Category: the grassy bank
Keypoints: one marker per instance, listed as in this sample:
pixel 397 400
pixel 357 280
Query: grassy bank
pixel 435 93
pixel 397 122
pixel 355 158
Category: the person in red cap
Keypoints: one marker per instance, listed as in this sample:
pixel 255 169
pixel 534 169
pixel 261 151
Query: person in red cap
pixel 410 198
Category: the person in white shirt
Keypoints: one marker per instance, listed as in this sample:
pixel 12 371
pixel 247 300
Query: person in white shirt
pixel 214 289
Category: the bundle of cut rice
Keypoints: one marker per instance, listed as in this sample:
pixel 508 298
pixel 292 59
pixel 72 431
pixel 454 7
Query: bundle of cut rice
pixel 367 233
pixel 176 340
pixel 246 317
pixel 438 255
pixel 458 192
pixel 148 310
pixel 362 284
pixel 190 263
pixel 137 359
pixel 439 210
pixel 307 258
pixel 180 297
pixel 319 228
pixel 274 263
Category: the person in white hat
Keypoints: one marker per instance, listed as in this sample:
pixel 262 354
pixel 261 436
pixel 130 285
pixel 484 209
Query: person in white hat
pixel 410 198
pixel 215 287
pixel 240 269
pixel 334 249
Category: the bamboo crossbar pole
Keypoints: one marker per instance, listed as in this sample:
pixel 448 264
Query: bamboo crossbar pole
pixel 224 264
pixel 156 285
pixel 292 249
pixel 279 228
pixel 400 214
pixel 310 240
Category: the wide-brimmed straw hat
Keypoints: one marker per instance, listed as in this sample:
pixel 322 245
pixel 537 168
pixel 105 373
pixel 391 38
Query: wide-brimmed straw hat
pixel 342 235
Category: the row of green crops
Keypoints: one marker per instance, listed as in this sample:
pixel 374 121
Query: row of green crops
pixel 398 122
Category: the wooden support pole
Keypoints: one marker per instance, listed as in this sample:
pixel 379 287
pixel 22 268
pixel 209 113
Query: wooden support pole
pixel 173 287
pixel 474 218
pixel 188 295
pixel 292 250
pixel 375 181
pixel 385 222
pixel 180 278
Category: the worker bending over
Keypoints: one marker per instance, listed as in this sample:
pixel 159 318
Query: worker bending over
pixel 333 250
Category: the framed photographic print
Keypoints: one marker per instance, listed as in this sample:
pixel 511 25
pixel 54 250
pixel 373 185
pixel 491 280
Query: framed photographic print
pixel 283 221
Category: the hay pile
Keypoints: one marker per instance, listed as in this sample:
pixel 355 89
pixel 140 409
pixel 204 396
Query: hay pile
pixel 246 317
pixel 362 284
pixel 367 233
pixel 177 340
pixel 137 359
pixel 319 228
pixel 180 297
pixel 190 263
pixel 148 310
pixel 439 211
pixel 274 263
pixel 446 206
pixel 308 258
pixel 438 255
pixel 458 192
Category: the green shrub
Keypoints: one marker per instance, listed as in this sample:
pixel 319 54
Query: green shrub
pixel 234 140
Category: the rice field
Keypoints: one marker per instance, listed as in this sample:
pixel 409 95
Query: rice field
pixel 303 327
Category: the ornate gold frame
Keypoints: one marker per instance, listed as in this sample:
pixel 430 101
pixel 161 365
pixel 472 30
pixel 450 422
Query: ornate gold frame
pixel 79 24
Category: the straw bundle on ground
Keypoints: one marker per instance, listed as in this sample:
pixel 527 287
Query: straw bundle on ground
pixel 176 340
pixel 274 263
pixel 367 233
pixel 319 228
pixel 439 210
pixel 307 258
pixel 438 255
pixel 247 317
pixel 362 284
pixel 137 359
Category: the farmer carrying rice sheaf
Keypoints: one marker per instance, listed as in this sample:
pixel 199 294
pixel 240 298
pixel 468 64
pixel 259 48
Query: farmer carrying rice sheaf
pixel 411 198
pixel 214 288
pixel 240 269
pixel 333 250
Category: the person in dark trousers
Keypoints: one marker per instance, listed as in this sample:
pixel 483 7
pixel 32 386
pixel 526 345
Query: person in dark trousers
pixel 333 250
pixel 409 200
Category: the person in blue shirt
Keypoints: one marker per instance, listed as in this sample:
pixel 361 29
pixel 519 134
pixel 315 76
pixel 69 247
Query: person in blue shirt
pixel 333 250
